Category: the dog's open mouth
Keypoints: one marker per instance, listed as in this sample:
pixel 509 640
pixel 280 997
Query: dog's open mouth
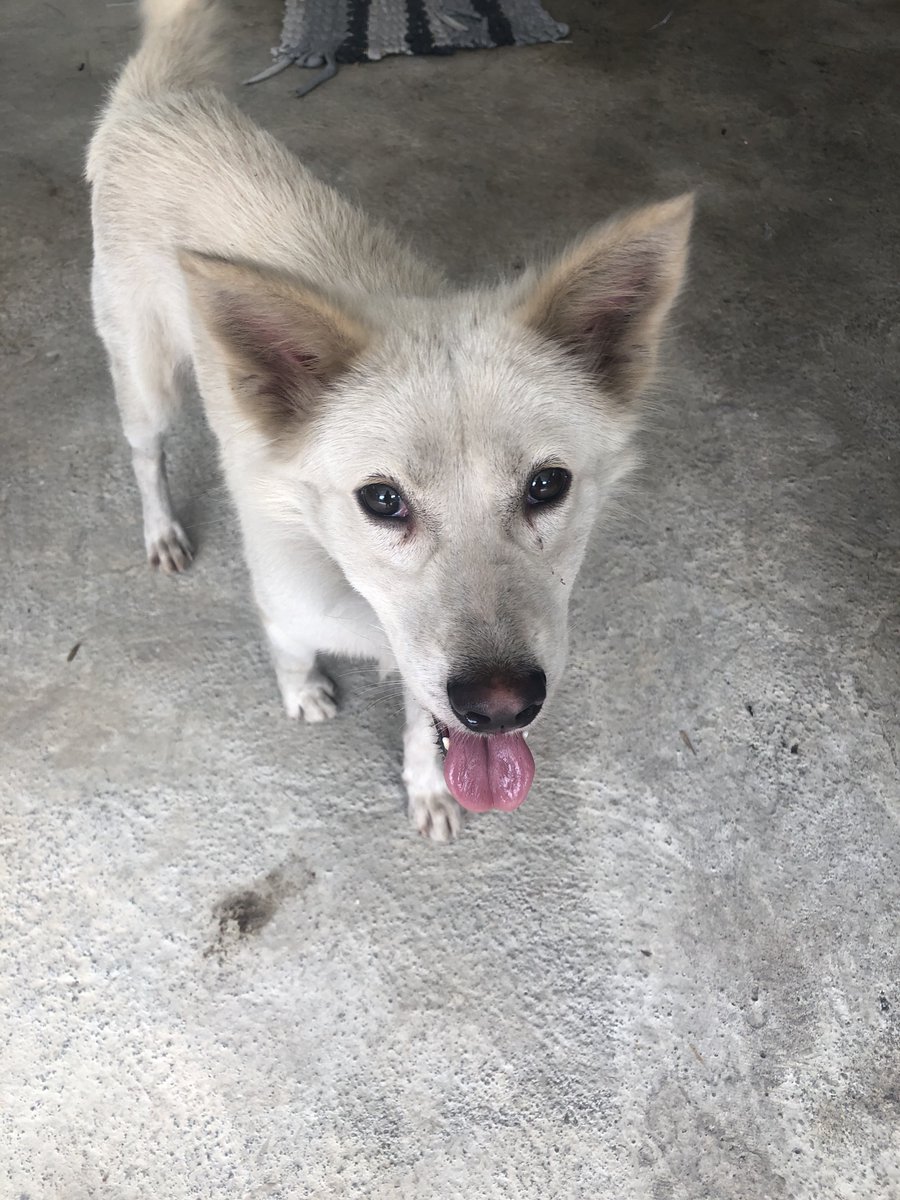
pixel 485 771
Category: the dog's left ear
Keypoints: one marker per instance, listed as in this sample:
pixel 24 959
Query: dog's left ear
pixel 284 343
pixel 607 299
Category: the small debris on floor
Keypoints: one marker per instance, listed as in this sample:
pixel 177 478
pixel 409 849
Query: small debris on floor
pixel 73 652
pixel 687 741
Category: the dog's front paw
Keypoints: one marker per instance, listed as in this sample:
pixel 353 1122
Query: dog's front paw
pixel 436 815
pixel 170 551
pixel 311 696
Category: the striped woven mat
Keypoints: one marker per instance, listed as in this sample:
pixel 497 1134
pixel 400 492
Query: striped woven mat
pixel 324 33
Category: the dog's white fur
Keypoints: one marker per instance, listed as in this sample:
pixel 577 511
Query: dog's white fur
pixel 327 356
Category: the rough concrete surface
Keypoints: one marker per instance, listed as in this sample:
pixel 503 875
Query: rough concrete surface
pixel 227 967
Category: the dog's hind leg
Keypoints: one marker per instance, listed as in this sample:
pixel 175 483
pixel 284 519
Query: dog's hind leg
pixel 144 374
pixel 432 809
pixel 144 422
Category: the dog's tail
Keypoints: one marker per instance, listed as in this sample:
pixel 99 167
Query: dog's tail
pixel 180 49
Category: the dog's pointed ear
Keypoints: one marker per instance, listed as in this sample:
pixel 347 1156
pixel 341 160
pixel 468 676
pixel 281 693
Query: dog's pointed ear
pixel 607 299
pixel 283 342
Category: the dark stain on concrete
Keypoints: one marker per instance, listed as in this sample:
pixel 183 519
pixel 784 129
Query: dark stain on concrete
pixel 242 913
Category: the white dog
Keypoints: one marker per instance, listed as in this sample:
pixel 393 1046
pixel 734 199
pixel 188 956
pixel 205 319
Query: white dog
pixel 416 470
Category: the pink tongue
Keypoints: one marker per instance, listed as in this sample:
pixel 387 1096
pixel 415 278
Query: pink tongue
pixel 489 772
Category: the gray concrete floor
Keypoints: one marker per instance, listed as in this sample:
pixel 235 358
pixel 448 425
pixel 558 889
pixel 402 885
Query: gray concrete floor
pixel 227 967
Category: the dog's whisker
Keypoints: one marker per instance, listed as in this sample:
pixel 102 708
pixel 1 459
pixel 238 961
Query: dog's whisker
pixel 373 704
pixel 372 626
pixel 376 694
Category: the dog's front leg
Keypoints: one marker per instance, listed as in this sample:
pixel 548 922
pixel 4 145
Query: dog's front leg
pixel 432 809
pixel 306 691
pixel 290 591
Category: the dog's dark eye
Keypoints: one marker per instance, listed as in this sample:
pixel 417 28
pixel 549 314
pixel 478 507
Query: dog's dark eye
pixel 382 500
pixel 551 483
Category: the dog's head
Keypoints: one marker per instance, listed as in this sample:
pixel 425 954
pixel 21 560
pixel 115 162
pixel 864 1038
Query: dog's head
pixel 451 454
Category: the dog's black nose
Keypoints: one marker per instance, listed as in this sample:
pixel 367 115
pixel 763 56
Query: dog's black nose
pixel 497 701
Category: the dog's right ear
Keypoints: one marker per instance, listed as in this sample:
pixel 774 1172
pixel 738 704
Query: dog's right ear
pixel 283 342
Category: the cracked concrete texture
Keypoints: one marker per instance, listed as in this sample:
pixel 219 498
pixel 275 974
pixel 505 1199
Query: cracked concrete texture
pixel 228 968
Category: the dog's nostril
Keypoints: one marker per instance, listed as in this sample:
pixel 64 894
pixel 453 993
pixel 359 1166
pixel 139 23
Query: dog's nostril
pixel 527 715
pixel 476 720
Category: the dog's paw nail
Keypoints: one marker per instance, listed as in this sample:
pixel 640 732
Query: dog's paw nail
pixel 436 816
pixel 171 551
pixel 318 708
pixel 313 700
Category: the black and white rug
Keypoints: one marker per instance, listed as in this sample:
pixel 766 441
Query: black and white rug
pixel 324 33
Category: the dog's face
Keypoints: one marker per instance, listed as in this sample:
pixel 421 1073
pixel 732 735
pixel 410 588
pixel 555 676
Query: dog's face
pixel 451 455
pixel 456 481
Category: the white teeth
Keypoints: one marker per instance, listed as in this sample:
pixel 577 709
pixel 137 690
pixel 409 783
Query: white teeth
pixel 445 742
pixel 525 734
